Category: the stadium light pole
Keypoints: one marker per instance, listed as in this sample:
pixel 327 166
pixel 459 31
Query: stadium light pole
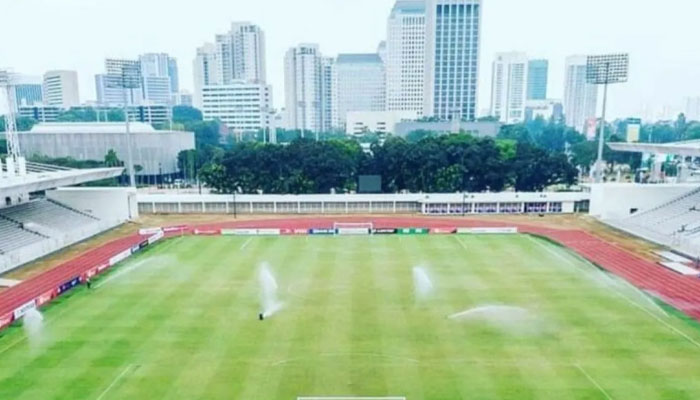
pixel 605 70
pixel 125 75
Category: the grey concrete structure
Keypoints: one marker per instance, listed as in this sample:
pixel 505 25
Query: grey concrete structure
pixel 155 151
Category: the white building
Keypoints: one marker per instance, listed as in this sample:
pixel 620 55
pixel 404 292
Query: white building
pixel 509 87
pixel 303 87
pixel 404 56
pixel 242 106
pixel 361 84
pixel 453 34
pixel 548 110
pixel 206 71
pixel 361 122
pixel 330 118
pixel 236 56
pixel 160 77
pixel 580 98
pixel 240 54
pixel 60 88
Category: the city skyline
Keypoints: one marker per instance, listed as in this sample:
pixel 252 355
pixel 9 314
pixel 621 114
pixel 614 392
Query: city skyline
pixel 652 85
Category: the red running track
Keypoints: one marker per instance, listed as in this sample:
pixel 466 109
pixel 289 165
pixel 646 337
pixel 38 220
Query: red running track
pixel 680 291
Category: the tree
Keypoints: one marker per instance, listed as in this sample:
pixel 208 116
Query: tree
pixel 23 123
pixel 535 169
pixel 420 134
pixel 111 159
pixel 186 115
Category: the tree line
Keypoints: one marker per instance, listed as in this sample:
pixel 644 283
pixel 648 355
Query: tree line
pixel 442 164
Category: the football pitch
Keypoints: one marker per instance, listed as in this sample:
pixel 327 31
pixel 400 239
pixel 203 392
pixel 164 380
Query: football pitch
pixel 420 317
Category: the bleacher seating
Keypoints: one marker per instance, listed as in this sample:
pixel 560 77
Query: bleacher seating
pixel 47 214
pixel 675 223
pixel 13 237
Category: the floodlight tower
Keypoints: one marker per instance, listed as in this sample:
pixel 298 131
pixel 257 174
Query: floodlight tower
pixel 605 70
pixel 16 165
pixel 125 75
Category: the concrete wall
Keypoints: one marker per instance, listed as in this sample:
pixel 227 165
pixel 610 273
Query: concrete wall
pixel 108 204
pixel 617 200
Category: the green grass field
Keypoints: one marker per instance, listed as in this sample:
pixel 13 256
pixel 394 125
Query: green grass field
pixel 179 321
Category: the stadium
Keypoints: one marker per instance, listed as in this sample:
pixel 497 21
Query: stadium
pixel 113 294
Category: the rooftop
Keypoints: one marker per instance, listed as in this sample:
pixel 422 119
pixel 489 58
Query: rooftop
pixel 94 127
pixel 409 7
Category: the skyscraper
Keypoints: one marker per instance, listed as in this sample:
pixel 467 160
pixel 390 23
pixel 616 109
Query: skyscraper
pixel 404 56
pixel 508 87
pixel 303 87
pixel 60 88
pixel 537 77
pixel 452 58
pixel 241 54
pixel 361 84
pixel 28 90
pixel 229 79
pixel 329 94
pixel 580 98
pixel 160 77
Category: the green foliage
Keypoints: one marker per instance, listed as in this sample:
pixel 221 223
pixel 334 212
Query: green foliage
pixel 420 134
pixel 23 123
pixel 186 114
pixel 442 164
pixel 535 169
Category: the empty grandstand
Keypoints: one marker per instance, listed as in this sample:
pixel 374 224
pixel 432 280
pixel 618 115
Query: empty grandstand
pixel 674 223
pixel 33 224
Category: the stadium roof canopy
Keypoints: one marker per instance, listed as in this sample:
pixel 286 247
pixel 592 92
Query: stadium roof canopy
pixel 685 149
pixel 42 177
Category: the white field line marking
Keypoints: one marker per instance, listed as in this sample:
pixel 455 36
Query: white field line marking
pixel 47 322
pixel 459 239
pixel 612 279
pixel 593 381
pixel 124 271
pixel 247 242
pixel 115 381
pixel 635 304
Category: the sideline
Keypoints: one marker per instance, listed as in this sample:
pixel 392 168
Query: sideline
pixel 633 303
pixel 125 270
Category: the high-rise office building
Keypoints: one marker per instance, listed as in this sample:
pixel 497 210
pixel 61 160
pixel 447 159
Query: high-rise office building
pixel 537 77
pixel 452 41
pixel 160 77
pixel 580 97
pixel 234 57
pixel 361 84
pixel 28 90
pixel 240 54
pixel 242 106
pixel 303 66
pixel 404 57
pixel 60 88
pixel 509 87
pixel 329 94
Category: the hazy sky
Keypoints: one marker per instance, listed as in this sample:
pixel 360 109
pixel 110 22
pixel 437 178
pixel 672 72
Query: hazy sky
pixel 37 35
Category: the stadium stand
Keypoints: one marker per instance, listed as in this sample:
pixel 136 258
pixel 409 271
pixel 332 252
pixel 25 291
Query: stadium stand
pixel 49 214
pixel 675 223
pixel 14 236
